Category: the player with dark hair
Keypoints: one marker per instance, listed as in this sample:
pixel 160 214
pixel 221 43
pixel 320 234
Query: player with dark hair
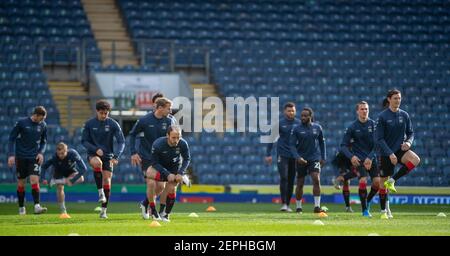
pixel 156 97
pixel 98 138
pixel 150 127
pixel 68 169
pixel 385 103
pixel 357 157
pixel 27 142
pixel 285 159
pixel 307 145
pixel 394 136
pixel 169 160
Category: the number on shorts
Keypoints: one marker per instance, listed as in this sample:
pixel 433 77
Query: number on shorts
pixel 317 165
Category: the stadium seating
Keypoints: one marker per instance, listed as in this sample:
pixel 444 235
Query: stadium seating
pixel 323 54
pixel 25 27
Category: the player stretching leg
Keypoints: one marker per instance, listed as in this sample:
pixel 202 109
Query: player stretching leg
pixel 150 127
pixel 346 173
pixel 394 136
pixel 98 137
pixel 358 146
pixel 170 158
pixel 66 163
pixel 308 146
pixel 26 147
pixel 285 159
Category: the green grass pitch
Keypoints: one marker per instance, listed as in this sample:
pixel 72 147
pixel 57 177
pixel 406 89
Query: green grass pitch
pixel 230 219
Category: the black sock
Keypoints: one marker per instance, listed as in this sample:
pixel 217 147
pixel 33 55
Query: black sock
pixel 170 202
pixel 346 193
pixel 162 207
pixel 401 172
pixel 145 203
pixel 35 193
pixel 383 197
pixel 363 197
pixel 107 190
pixel 372 193
pixel 152 207
pixel 21 196
pixel 98 177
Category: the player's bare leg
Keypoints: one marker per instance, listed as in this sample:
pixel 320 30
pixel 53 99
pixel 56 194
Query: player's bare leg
pixel 315 176
pixel 38 209
pixel 61 197
pixel 80 180
pixel 409 161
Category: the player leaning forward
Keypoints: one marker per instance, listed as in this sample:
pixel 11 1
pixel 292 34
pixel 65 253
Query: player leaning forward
pixel 98 138
pixel 169 160
pixel 27 142
pixel 151 127
pixel 68 170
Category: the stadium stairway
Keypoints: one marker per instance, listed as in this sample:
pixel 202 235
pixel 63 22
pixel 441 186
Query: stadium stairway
pixel 210 90
pixel 107 26
pixel 80 110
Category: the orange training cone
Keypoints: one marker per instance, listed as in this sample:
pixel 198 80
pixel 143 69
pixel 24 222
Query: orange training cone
pixel 323 215
pixel 155 224
pixel 211 209
pixel 64 216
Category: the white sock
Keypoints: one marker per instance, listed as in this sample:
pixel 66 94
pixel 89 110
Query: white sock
pixel 391 180
pixel 387 206
pixel 317 201
pixel 299 203
pixel 103 209
pixel 100 192
pixel 37 205
pixel 62 207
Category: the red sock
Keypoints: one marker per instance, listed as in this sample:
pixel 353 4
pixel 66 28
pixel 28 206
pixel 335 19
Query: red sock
pixel 410 166
pixel 107 190
pixel 35 193
pixel 20 189
pixel 35 187
pixel 21 195
pixel 158 176
pixel 383 196
pixel 170 202
pixel 346 188
pixel 362 185
pixel 98 169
